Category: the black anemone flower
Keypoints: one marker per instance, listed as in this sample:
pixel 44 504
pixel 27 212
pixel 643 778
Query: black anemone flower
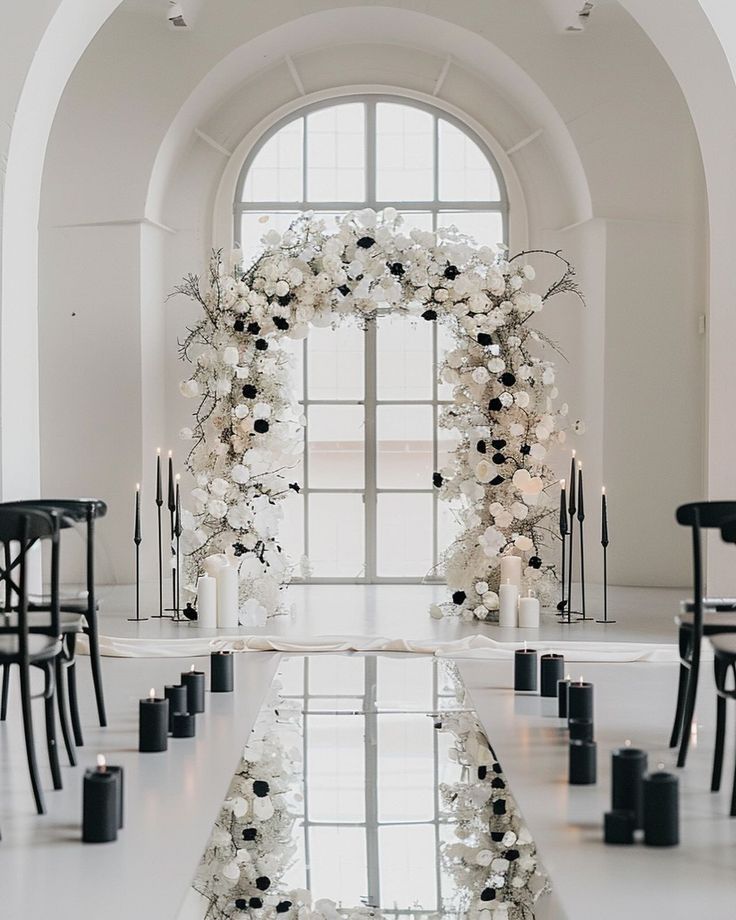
pixel 481 447
pixel 254 328
pixel 283 906
pixel 263 883
pixel 535 562
pixel 285 299
pixel 261 425
pixel 459 597
pixel 497 480
pixel 396 268
pixel 344 290
pixel 249 391
pixel 241 904
pixel 239 325
pixel 280 322
pixel 261 344
pixel 507 379
pixel 484 339
pixel 499 444
pixel 488 894
pixel 437 480
pixel 249 833
pixel 495 405
pixel 429 315
pixel 261 788
pixel 451 272
pixel 498 459
pixel 525 449
pixel 295 487
pixel 255 903
pixel 365 242
pixel 239 549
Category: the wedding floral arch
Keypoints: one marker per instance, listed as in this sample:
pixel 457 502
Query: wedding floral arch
pixel 247 424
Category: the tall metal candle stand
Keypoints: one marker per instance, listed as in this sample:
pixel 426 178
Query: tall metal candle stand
pixel 563 535
pixel 137 541
pixel 159 504
pixel 571 508
pixel 581 519
pixel 177 534
pixel 604 544
pixel 171 504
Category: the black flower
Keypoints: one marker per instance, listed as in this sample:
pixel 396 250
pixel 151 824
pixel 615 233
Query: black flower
pixel 498 783
pixel 451 272
pixel 260 425
pixel 280 322
pixel 255 903
pixel 495 405
pixel 498 444
pixel 239 549
pixel 459 597
pixel 365 242
pixel 499 807
pixel 525 449
pixel 261 344
pixel 294 486
pixel 481 447
pixel 437 479
pixel 484 339
pixel 239 325
pixel 498 459
pixel 263 882
pixel 429 314
pixel 511 855
pixel 261 788
pixel 250 833
pixel 535 562
pixel 507 379
pixel 241 904
pixel 283 906
pixel 249 391
pixel 488 894
pixel 396 268
pixel 482 771
pixel 497 480
pixel 285 299
pixel 254 328
pixel 344 290
pixel 497 836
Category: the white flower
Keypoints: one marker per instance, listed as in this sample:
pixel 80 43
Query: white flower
pixel 189 388
pixel 519 510
pixel 262 410
pixel 538 451
pixel 484 471
pixel 223 386
pixel 217 508
pixel 186 434
pixel 522 399
pixel 548 376
pixel 480 375
pixel 492 541
pixel 481 587
pixel 490 600
pixel 219 487
pixel 480 612
pixel 503 519
pixel 435 611
pixel 240 473
pixel 530 274
pixel 496 365
pixel 230 355
pixel 523 543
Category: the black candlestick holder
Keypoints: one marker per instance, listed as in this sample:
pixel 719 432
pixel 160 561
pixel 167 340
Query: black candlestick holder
pixel 604 544
pixel 137 542
pixel 581 521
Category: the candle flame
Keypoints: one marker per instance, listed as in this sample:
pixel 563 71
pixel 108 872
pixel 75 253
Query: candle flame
pixel 101 763
pixel 580 465
pixel 573 454
pixel 191 670
pixel 137 487
pixel 562 483
pixel 627 743
pixel 177 477
pixel 171 454
pixel 158 451
pixel 152 694
pixel 524 644
pixel 603 490
pixel 660 766
pixel 581 678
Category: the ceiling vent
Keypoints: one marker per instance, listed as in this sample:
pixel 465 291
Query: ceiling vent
pixel 175 16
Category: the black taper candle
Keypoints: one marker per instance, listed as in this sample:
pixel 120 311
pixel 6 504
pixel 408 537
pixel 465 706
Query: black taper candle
pixel 137 543
pixel 525 669
pixel 580 729
pixel 581 519
pixel 562 688
pixel 153 726
pixel 176 694
pixel 563 536
pixel 661 809
pixel 604 544
pixel 552 671
pixel 185 725
pixel 619 826
pixel 194 682
pixel 177 535
pixel 100 805
pixel 582 763
pixel 159 505
pixel 580 700
pixel 628 766
pixel 171 505
pixel 221 672
pixel 571 529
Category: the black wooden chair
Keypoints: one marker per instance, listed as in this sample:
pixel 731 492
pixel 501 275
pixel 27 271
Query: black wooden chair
pixel 702 617
pixel 71 512
pixel 20 530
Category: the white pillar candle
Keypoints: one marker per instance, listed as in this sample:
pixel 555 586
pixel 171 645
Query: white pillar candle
pixel 211 564
pixel 227 597
pixel 511 570
pixel 508 596
pixel 529 612
pixel 206 603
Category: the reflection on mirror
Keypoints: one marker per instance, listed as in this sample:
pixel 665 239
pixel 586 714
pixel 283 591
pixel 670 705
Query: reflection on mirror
pixel 368 789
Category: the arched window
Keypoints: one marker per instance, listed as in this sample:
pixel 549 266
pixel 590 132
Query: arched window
pixel 367 510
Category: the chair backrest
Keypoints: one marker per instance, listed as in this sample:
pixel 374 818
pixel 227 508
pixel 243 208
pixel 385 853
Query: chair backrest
pixel 76 509
pixel 706 514
pixel 20 529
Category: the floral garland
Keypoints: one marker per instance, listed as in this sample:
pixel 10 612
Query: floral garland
pixel 246 425
pixel 493 864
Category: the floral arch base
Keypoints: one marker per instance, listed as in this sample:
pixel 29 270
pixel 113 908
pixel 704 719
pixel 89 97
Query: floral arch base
pixel 247 424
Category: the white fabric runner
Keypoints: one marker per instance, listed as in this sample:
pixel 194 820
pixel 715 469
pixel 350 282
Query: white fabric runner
pixel 470 647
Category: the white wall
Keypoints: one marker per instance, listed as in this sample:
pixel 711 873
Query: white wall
pixel 618 152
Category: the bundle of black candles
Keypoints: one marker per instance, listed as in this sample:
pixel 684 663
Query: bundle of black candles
pixel 174 506
pixel 641 801
pixel 572 508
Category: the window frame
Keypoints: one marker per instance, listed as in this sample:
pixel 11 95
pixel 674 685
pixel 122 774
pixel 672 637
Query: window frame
pixel 434 206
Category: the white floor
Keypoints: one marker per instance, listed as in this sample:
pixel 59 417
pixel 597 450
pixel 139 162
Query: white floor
pixel 172 798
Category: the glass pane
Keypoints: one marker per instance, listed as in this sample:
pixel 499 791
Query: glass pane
pixel 295 350
pixel 338 864
pixel 335 444
pixel 404 153
pixel 404 368
pixel 276 171
pixel 336 540
pixel 405 683
pixel 336 153
pixel 406 771
pixel 447 441
pixel 464 171
pixel 404 534
pixel 291 529
pixel 253 224
pixel 291 675
pixel 336 783
pixel 485 227
pixel 408 867
pixel 404 447
pixel 449 525
pixel 337 675
pixel 416 220
pixel 336 362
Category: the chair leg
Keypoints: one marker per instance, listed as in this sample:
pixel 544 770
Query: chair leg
pixel 62 705
pixel 25 698
pixel 689 710
pixel 733 795
pixel 715 783
pixel 50 714
pixel 6 688
pixel 71 677
pixel 681 691
pixel 94 655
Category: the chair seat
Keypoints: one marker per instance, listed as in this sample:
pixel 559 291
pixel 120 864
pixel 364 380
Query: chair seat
pixel 713 623
pixel 724 644
pixel 38 619
pixel 711 603
pixel 40 648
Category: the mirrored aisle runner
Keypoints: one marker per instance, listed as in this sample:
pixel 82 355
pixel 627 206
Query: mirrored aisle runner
pixel 368 789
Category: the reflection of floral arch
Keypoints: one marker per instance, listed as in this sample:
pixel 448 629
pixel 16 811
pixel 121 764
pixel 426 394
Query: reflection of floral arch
pixel 246 425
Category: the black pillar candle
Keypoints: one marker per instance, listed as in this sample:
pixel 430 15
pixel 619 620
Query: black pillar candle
pixel 100 804
pixel 562 688
pixel 153 727
pixel 580 729
pixel 176 694
pixel 628 766
pixel 184 725
pixel 525 669
pixel 194 682
pixel 553 669
pixel 619 826
pixel 661 810
pixel 221 672
pixel 582 764
pixel 117 772
pixel 580 700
